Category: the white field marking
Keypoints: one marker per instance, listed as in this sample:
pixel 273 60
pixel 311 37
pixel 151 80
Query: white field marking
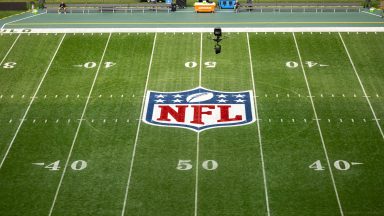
pixel 197 172
pixel 30 103
pixel 38 164
pixel 201 56
pixel 138 127
pixel 198 134
pixel 78 127
pixel 2 27
pixel 370 13
pixel 189 30
pixel 13 15
pixel 319 128
pixel 362 86
pixel 9 50
pixel 356 163
pixel 258 130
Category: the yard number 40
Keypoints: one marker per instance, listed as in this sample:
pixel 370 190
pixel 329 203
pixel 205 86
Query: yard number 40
pixel 341 165
pixel 187 165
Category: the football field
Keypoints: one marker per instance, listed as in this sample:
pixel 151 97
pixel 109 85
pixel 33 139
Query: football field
pixel 73 140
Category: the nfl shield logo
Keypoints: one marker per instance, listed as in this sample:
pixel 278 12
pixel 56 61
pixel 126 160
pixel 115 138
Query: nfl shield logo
pixel 199 109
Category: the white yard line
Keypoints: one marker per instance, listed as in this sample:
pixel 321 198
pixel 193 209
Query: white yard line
pixel 138 128
pixel 30 104
pixel 21 19
pixel 201 57
pixel 9 50
pixel 318 127
pixel 197 173
pixel 198 134
pixel 362 87
pixel 258 129
pixel 79 126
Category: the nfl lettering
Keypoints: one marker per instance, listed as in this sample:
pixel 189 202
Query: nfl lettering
pixel 199 109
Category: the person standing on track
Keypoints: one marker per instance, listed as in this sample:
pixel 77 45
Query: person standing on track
pixel 63 8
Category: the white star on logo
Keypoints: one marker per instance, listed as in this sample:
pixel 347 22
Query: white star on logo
pixel 239 96
pixel 239 100
pixel 159 101
pixel 177 96
pixel 222 96
pixel 177 101
pixel 222 101
pixel 159 96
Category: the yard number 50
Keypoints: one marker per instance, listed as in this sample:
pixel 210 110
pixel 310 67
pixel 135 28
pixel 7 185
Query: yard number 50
pixel 187 165
pixel 193 64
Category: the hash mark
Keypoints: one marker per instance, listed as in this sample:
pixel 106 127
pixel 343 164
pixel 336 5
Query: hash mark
pixel 329 120
pixel 341 120
pixel 352 120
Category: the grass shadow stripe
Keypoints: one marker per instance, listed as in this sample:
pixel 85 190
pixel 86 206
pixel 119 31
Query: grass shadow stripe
pixel 318 126
pixel 362 87
pixel 79 126
pixel 258 129
pixel 138 128
pixel 30 103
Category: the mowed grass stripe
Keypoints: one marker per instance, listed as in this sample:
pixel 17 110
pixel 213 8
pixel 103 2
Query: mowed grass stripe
pixel 366 50
pixel 318 126
pixel 157 187
pixel 79 126
pixel 6 41
pixel 258 127
pixel 47 135
pixel 290 138
pixel 348 142
pixel 362 87
pixel 107 135
pixel 236 186
pixel 9 50
pixel 16 80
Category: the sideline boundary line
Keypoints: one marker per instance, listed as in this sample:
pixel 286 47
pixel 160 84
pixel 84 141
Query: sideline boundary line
pixel 30 103
pixel 362 86
pixel 9 50
pixel 78 127
pixel 318 127
pixel 194 30
pixel 138 127
pixel 258 129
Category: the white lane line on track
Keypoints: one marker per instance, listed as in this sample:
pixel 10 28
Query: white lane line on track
pixel 2 27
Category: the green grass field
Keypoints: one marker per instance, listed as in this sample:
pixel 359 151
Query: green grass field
pixel 72 142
